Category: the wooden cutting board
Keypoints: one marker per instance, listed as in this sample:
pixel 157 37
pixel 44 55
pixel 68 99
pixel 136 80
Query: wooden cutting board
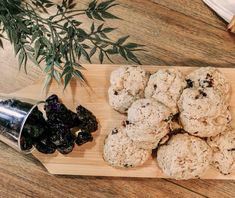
pixel 87 159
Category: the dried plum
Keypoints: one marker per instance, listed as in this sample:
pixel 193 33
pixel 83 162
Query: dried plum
pixel 33 130
pixel 45 146
pixel 26 142
pixel 83 137
pixel 66 148
pixel 53 98
pixel 60 134
pixel 54 133
pixel 36 116
pixel 57 112
pixel 88 120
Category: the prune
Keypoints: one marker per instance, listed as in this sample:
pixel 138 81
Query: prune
pixel 57 112
pixel 53 98
pixel 45 146
pixel 66 148
pixel 88 120
pixel 60 134
pixel 83 137
pixel 26 142
pixel 34 130
pixel 36 116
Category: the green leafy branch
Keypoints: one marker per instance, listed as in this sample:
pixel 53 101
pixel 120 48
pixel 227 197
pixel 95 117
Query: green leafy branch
pixel 58 40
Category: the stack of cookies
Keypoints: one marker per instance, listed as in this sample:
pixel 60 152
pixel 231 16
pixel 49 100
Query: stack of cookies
pixel 186 120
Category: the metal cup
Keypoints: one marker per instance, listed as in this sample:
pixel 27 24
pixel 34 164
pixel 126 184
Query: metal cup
pixel 13 118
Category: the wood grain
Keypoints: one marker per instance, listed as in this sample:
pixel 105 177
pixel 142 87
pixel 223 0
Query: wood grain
pixel 88 160
pixel 172 31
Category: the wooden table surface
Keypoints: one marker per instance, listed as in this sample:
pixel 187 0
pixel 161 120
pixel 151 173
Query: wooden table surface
pixel 179 32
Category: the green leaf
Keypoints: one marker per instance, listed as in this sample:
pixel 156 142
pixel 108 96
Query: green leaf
pixel 25 63
pixel 37 47
pixel 108 15
pixel 88 13
pixel 133 45
pixel 67 79
pixel 100 27
pixel 33 59
pixel 81 32
pixel 104 45
pixel 108 29
pixel 92 27
pixel 46 42
pixel 92 52
pixel 85 54
pixel 34 36
pixel 71 31
pixel 47 81
pixel 72 6
pixel 97 16
pixel 78 74
pixel 101 56
pixel 57 76
pixel 76 23
pixel 103 35
pixel 17 48
pixel 21 58
pixel 66 70
pixel 122 40
pixel 29 48
pixel 123 53
pixel 47 69
pixel 131 56
pixel 92 5
pixel 85 46
pixel 112 51
pixel 104 4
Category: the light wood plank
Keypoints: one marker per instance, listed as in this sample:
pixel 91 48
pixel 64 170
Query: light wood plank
pixel 87 160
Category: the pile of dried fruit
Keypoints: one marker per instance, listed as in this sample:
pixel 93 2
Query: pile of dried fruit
pixel 55 133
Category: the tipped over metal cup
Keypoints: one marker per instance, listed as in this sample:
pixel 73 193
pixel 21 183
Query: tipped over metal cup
pixel 14 113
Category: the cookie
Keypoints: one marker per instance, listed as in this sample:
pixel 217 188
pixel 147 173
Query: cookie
pixel 205 126
pixel 120 100
pixel 203 112
pixel 166 86
pixel 223 147
pixel 148 111
pixel 121 151
pixel 201 102
pixel 133 79
pixel 184 157
pixel 127 85
pixel 210 77
pixel 146 136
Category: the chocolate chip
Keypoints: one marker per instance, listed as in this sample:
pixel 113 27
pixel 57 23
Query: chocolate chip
pixel 125 122
pixel 197 97
pixel 232 149
pixel 189 83
pixel 114 131
pixel 127 165
pixel 202 93
pixel 115 93
pixel 208 76
pixel 155 86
